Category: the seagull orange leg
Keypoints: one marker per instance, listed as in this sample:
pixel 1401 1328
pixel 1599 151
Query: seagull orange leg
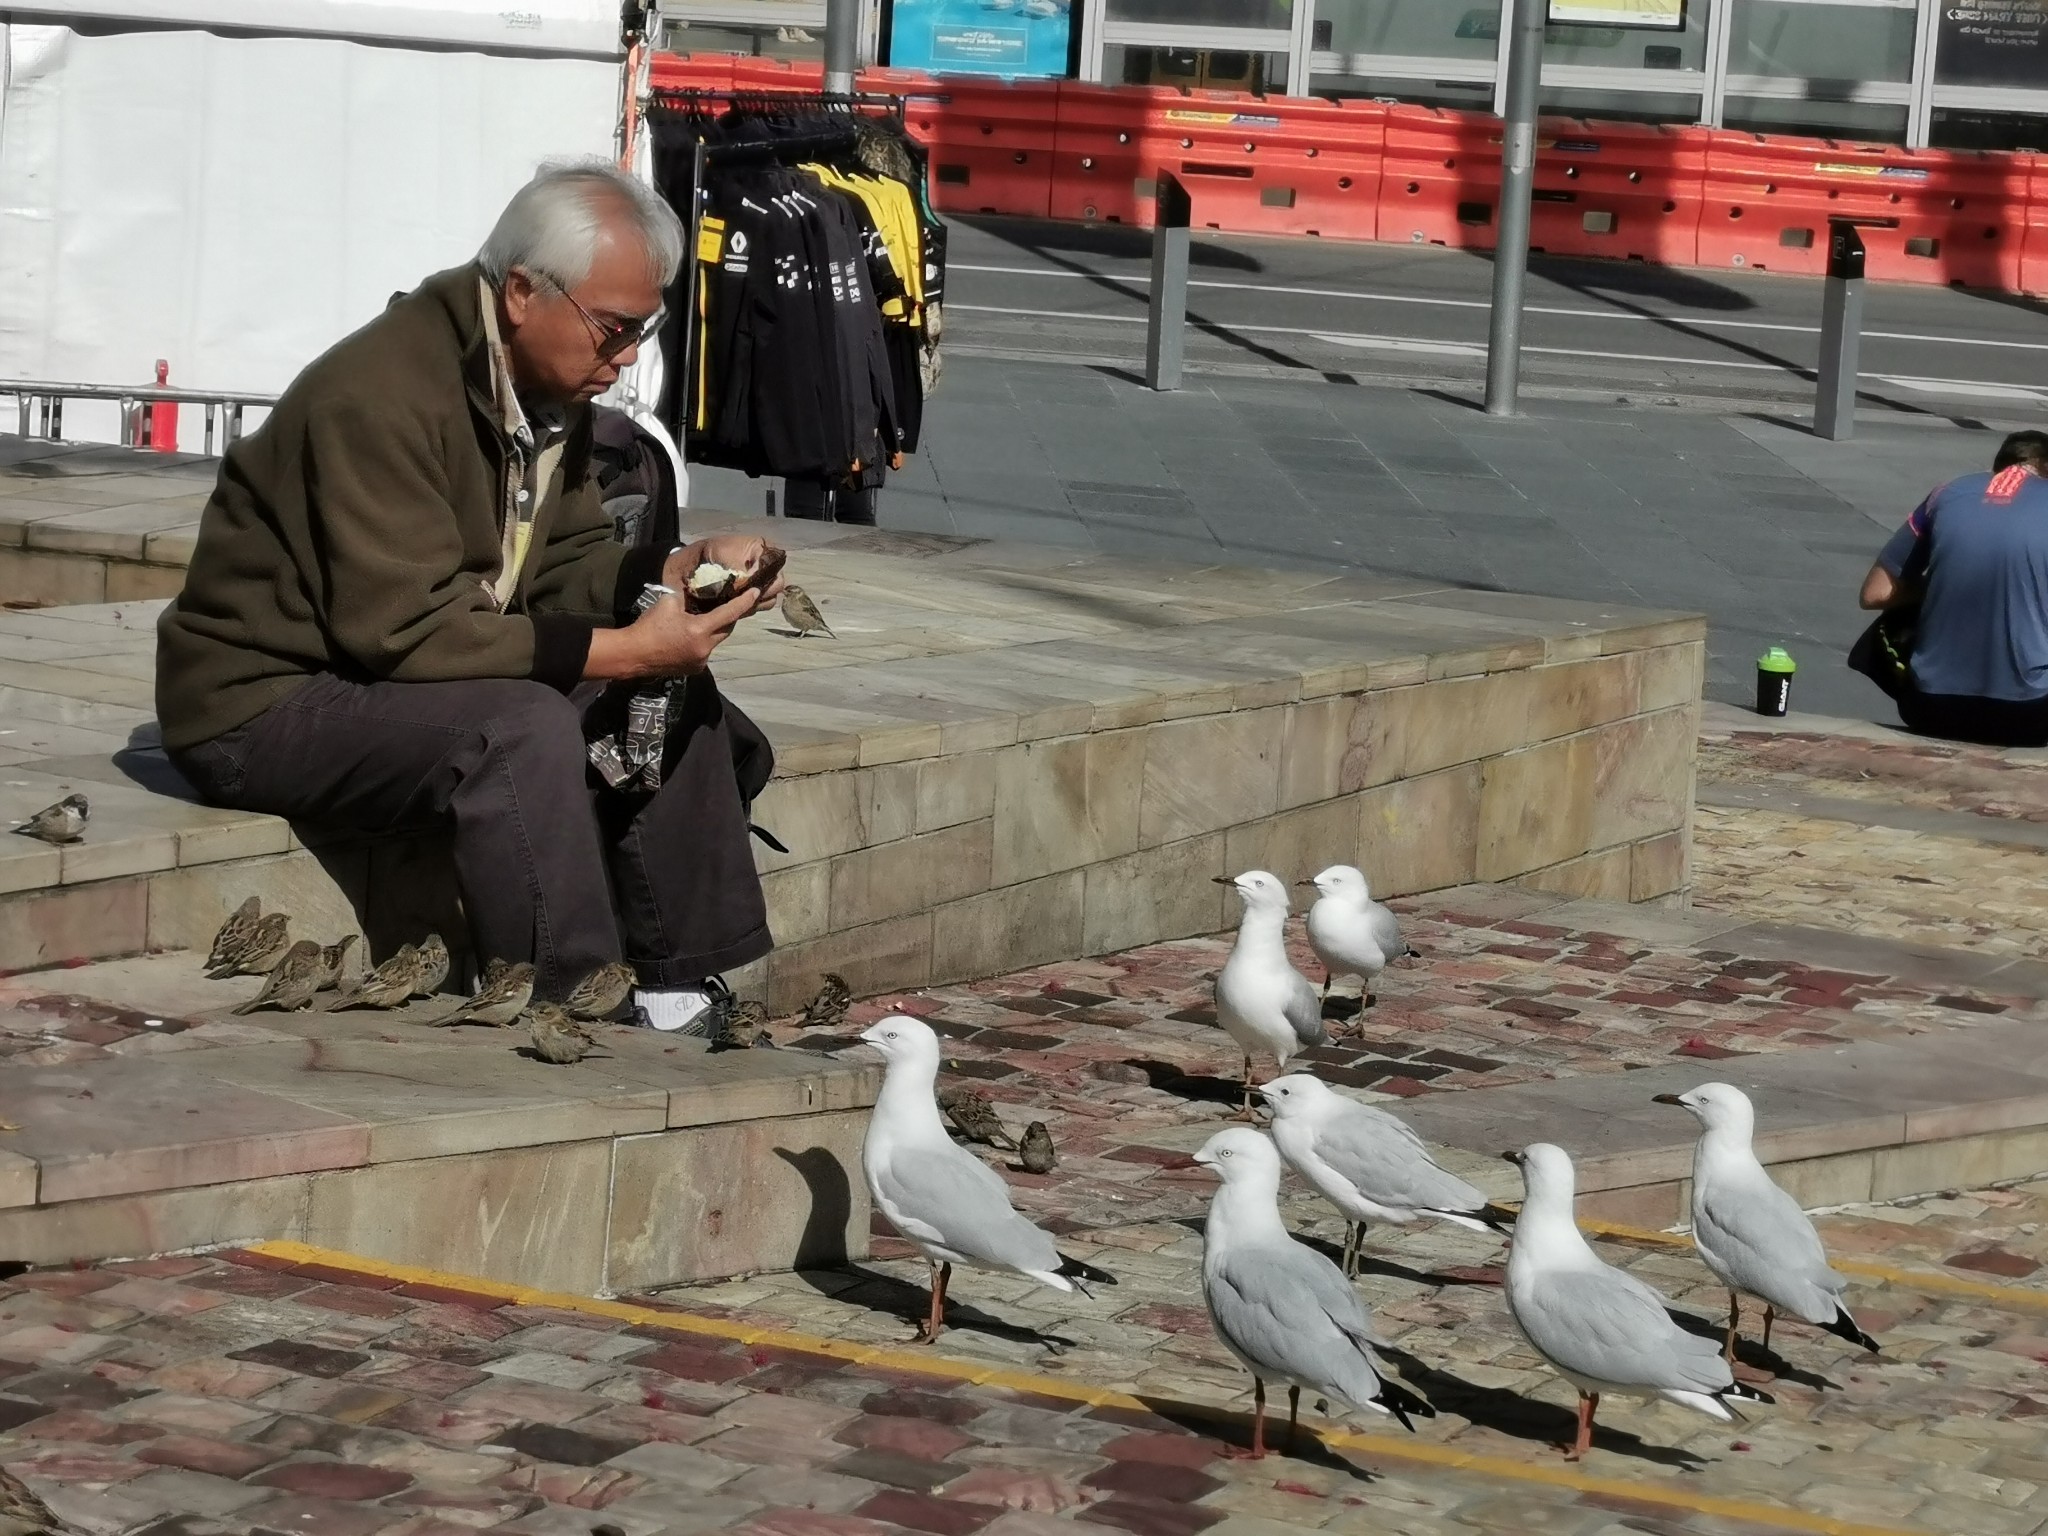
pixel 1245 1110
pixel 1770 1317
pixel 1293 1413
pixel 1589 1402
pixel 1734 1326
pixel 936 1322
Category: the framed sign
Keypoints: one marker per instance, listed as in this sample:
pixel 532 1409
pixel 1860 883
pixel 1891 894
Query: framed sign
pixel 1005 38
pixel 1653 15
pixel 1993 43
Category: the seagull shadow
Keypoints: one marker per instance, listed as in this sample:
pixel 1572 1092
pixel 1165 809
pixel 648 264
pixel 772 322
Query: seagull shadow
pixel 886 1295
pixel 1524 1418
pixel 1203 1089
pixel 1369 1264
pixel 1234 1429
pixel 1751 1352
pixel 1338 1007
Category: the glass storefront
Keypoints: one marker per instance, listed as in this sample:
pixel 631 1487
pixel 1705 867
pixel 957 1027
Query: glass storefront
pixel 1952 73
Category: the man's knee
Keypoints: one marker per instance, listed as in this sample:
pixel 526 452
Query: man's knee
pixel 531 722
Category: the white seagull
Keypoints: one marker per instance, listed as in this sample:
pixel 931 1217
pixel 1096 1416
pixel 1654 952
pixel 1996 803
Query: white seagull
pixel 1369 1164
pixel 948 1202
pixel 1600 1328
pixel 1267 1006
pixel 1749 1232
pixel 1352 934
pixel 1278 1305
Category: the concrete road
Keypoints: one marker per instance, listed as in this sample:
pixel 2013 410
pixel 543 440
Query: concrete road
pixel 1419 313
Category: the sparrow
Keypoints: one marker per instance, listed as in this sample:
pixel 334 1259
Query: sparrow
pixel 234 932
pixel 557 1038
pixel 801 614
pixel 334 960
pixel 388 986
pixel 493 971
pixel 292 982
pixel 433 966
pixel 599 995
pixel 22 1513
pixel 741 1025
pixel 828 1009
pixel 973 1116
pixel 258 950
pixel 63 822
pixel 1036 1151
pixel 499 1003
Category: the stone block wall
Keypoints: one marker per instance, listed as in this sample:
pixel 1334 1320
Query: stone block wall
pixel 1575 776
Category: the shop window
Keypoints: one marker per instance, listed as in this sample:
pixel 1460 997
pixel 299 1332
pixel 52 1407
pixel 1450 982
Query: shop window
pixel 1211 69
pixel 1275 15
pixel 1410 29
pixel 1800 40
pixel 1959 128
pixel 1876 122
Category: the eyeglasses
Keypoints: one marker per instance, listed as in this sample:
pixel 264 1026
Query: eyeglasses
pixel 614 337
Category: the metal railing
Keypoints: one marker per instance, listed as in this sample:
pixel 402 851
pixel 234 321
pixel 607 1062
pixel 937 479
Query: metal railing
pixel 41 405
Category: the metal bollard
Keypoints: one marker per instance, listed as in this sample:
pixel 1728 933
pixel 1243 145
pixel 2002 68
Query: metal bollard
pixel 1167 318
pixel 1841 336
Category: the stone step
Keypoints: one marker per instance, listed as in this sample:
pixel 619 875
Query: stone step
pixel 1011 755
pixel 655 1160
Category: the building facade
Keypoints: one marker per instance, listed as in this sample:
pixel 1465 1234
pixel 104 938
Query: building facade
pixel 1964 74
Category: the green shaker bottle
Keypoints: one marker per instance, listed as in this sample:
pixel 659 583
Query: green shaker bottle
pixel 1774 671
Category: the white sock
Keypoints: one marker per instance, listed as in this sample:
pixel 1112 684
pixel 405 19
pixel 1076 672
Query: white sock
pixel 672 1008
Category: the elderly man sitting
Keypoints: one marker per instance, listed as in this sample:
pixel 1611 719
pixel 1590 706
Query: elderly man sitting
pixel 405 598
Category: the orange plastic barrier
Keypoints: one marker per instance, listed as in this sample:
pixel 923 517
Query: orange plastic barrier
pixel 991 143
pixel 691 72
pixel 1926 216
pixel 1257 165
pixel 1625 190
pixel 2034 246
pixel 777 75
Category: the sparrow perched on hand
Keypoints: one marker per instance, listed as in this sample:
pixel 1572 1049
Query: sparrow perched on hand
pixel 63 822
pixel 334 960
pixel 498 1003
pixel 828 1009
pixel 600 994
pixel 257 950
pixel 801 614
pixel 234 932
pixel 433 966
pixel 388 986
pixel 292 982
pixel 1036 1151
pixel 742 1024
pixel 973 1115
pixel 557 1038
pixel 22 1512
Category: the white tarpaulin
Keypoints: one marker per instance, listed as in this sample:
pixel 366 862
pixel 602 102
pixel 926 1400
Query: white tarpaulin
pixel 235 204
pixel 544 26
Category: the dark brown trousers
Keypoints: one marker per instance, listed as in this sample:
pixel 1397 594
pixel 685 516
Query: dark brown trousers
pixel 553 867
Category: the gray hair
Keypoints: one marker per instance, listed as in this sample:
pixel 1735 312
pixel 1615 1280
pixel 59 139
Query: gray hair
pixel 553 224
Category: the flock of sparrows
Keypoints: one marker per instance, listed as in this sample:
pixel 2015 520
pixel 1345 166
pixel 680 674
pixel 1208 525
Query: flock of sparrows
pixel 252 942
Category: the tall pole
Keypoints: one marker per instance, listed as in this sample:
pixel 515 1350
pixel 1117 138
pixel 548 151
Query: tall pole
pixel 842 45
pixel 1517 183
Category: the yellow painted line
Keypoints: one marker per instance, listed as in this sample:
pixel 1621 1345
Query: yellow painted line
pixel 921 1362
pixel 1911 1279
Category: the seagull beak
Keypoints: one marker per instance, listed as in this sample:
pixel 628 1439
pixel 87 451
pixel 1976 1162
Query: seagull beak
pixel 1305 883
pixel 1512 1157
pixel 1668 1098
pixel 1223 879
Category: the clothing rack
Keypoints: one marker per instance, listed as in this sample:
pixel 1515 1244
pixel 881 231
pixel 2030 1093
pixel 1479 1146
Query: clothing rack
pixel 694 102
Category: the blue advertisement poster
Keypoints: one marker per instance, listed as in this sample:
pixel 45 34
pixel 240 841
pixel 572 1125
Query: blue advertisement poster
pixel 1006 38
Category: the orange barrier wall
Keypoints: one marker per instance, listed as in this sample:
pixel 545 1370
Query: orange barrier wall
pixel 1628 190
pixel 1363 171
pixel 1272 165
pixel 1926 216
pixel 2034 246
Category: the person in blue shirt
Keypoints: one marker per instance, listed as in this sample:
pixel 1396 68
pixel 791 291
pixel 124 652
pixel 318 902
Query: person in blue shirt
pixel 1973 561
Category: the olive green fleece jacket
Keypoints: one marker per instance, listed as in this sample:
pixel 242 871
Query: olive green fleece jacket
pixel 357 532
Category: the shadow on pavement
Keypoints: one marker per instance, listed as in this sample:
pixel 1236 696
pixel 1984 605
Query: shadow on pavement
pixel 1235 1431
pixel 887 1296
pixel 1524 1418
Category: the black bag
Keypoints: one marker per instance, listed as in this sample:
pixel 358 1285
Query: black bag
pixel 636 480
pixel 1882 651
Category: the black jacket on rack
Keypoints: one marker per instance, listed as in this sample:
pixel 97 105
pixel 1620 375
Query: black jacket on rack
pixel 801 311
